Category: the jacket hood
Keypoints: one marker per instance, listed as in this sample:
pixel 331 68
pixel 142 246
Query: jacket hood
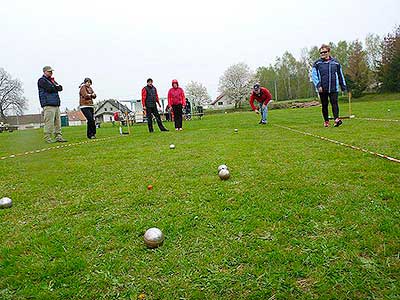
pixel 175 81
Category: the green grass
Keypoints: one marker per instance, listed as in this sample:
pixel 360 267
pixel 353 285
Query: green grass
pixel 300 218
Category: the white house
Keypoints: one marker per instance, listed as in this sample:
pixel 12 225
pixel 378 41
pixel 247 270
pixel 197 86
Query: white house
pixel 26 121
pixel 223 102
pixel 76 118
pixel 104 110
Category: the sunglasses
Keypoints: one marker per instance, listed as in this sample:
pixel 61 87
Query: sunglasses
pixel 323 52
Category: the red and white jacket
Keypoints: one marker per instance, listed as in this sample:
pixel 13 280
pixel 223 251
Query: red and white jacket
pixel 176 95
pixel 264 97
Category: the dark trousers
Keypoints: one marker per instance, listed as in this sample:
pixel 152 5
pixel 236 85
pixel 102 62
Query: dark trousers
pixel 333 97
pixel 88 112
pixel 154 111
pixel 177 115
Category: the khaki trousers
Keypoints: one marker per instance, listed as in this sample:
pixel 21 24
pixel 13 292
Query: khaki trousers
pixel 52 122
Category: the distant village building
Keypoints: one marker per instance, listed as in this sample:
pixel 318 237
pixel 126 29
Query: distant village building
pixel 223 102
pixel 26 121
pixel 104 110
pixel 76 118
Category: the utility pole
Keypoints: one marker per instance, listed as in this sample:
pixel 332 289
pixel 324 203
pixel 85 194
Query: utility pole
pixel 276 91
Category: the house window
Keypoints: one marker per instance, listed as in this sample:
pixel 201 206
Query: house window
pixel 221 103
pixel 110 119
pixel 110 108
pixel 105 109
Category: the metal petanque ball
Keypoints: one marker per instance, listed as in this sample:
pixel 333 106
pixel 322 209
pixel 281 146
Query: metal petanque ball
pixel 172 146
pixel 224 174
pixel 5 202
pixel 220 167
pixel 153 237
pixel 236 130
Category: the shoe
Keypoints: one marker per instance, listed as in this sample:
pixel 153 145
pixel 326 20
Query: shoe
pixel 260 122
pixel 180 129
pixel 61 140
pixel 92 137
pixel 164 129
pixel 338 122
pixel 263 123
pixel 326 124
pixel 49 141
pixel 177 129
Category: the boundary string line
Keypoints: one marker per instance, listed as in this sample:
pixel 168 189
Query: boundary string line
pixel 373 119
pixel 64 145
pixel 341 143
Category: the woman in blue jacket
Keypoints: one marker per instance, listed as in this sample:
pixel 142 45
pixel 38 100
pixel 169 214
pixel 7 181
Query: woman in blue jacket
pixel 327 76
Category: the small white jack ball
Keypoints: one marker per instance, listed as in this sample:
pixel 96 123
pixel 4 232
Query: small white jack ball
pixel 5 202
pixel 172 146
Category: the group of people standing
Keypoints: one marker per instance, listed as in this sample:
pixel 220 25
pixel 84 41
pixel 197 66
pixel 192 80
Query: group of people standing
pixel 327 76
pixel 150 101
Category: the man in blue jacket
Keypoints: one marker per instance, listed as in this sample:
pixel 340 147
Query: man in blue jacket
pixel 327 76
pixel 50 102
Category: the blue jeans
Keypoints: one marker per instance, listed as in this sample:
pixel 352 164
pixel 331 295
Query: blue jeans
pixel 264 113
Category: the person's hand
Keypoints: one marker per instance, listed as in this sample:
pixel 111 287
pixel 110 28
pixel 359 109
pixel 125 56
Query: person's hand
pixel 320 89
pixel 257 112
pixel 264 106
pixel 93 95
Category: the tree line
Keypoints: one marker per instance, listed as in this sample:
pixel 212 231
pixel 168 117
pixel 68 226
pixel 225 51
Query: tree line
pixel 369 66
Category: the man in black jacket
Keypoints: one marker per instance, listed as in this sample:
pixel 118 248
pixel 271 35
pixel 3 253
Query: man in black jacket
pixel 149 102
pixel 50 102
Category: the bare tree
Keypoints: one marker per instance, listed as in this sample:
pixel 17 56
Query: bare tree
pixel 11 95
pixel 236 83
pixel 197 93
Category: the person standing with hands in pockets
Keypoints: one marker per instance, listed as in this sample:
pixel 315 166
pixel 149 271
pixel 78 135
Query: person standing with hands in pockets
pixel 176 100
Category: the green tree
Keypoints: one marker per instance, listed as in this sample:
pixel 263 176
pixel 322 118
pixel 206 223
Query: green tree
pixel 389 70
pixel 357 72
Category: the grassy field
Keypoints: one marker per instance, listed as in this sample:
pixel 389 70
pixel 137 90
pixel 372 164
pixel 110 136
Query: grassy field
pixel 300 218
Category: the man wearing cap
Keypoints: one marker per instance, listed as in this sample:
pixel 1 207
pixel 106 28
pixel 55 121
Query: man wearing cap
pixel 263 96
pixel 50 102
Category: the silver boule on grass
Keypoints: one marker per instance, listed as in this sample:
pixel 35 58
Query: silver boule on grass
pixel 220 167
pixel 236 130
pixel 5 202
pixel 172 146
pixel 153 237
pixel 224 174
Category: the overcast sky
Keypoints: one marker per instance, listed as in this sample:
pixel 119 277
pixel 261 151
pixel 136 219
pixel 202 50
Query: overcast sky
pixel 119 44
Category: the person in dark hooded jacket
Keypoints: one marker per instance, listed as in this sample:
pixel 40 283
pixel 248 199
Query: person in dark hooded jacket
pixel 176 100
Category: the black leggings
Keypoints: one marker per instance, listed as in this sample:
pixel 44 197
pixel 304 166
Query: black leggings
pixel 177 115
pixel 88 112
pixel 333 97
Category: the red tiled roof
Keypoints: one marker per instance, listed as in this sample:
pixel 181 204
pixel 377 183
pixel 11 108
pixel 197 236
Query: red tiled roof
pixel 76 116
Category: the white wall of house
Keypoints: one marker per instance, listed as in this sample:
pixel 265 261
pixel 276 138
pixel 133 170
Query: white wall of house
pixel 76 123
pixel 29 126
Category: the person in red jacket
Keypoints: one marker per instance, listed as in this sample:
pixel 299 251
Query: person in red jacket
pixel 263 96
pixel 149 103
pixel 176 100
